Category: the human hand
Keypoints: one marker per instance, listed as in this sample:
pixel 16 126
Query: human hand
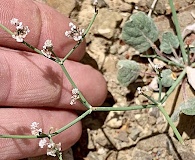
pixel 34 88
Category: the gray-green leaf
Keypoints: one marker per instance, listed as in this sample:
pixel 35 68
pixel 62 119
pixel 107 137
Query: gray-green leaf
pixel 188 107
pixel 128 71
pixel 140 32
pixel 167 78
pixel 169 42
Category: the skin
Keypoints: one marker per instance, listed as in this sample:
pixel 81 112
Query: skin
pixel 34 88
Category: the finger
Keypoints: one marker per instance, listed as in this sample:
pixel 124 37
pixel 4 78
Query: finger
pixel 17 121
pixel 29 79
pixel 44 23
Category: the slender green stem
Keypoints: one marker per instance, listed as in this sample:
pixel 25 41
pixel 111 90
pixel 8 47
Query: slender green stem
pixel 177 134
pixel 6 29
pixel 160 87
pixel 33 48
pixel 83 100
pixel 79 42
pixel 152 7
pixel 177 27
pixel 175 84
pixel 150 98
pixel 52 134
pixel 107 109
pixel 18 136
pixel 91 23
pixel 72 123
pixel 164 60
pixel 71 51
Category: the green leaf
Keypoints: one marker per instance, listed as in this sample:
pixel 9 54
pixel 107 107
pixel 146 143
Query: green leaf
pixel 169 42
pixel 167 78
pixel 140 32
pixel 128 71
pixel 188 106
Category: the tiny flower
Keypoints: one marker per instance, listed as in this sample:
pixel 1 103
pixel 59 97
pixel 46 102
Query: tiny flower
pixel 75 96
pixel 139 90
pixel 75 32
pixel 47 48
pixel 48 44
pixel 14 21
pixel 35 130
pixel 52 148
pixel 21 31
pixel 42 142
pixel 34 125
pixel 158 66
pixel 75 91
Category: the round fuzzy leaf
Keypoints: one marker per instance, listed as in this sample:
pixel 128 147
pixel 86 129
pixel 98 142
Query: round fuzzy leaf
pixel 140 31
pixel 167 78
pixel 169 42
pixel 128 71
pixel 188 107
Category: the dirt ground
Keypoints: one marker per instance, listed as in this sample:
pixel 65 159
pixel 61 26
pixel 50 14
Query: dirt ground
pixel 133 135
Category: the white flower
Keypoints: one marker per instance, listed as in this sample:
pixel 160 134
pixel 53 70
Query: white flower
pixel 42 142
pixel 47 48
pixel 52 148
pixel 139 90
pixel 73 27
pixel 14 21
pixel 75 96
pixel 75 32
pixel 21 31
pixel 48 44
pixel 158 66
pixel 35 130
pixel 75 91
pixel 34 125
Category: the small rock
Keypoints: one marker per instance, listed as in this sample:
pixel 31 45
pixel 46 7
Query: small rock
pixel 134 133
pixel 106 28
pixel 140 155
pixel 151 120
pixel 92 156
pixel 119 5
pixel 160 140
pixel 114 123
pixel 123 136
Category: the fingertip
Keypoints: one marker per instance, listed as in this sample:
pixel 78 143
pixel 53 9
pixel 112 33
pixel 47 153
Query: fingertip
pixel 44 23
pixel 19 124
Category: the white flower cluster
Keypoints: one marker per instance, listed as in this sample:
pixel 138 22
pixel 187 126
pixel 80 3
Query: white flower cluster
pixel 75 32
pixel 75 96
pixel 21 31
pixel 52 148
pixel 47 48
